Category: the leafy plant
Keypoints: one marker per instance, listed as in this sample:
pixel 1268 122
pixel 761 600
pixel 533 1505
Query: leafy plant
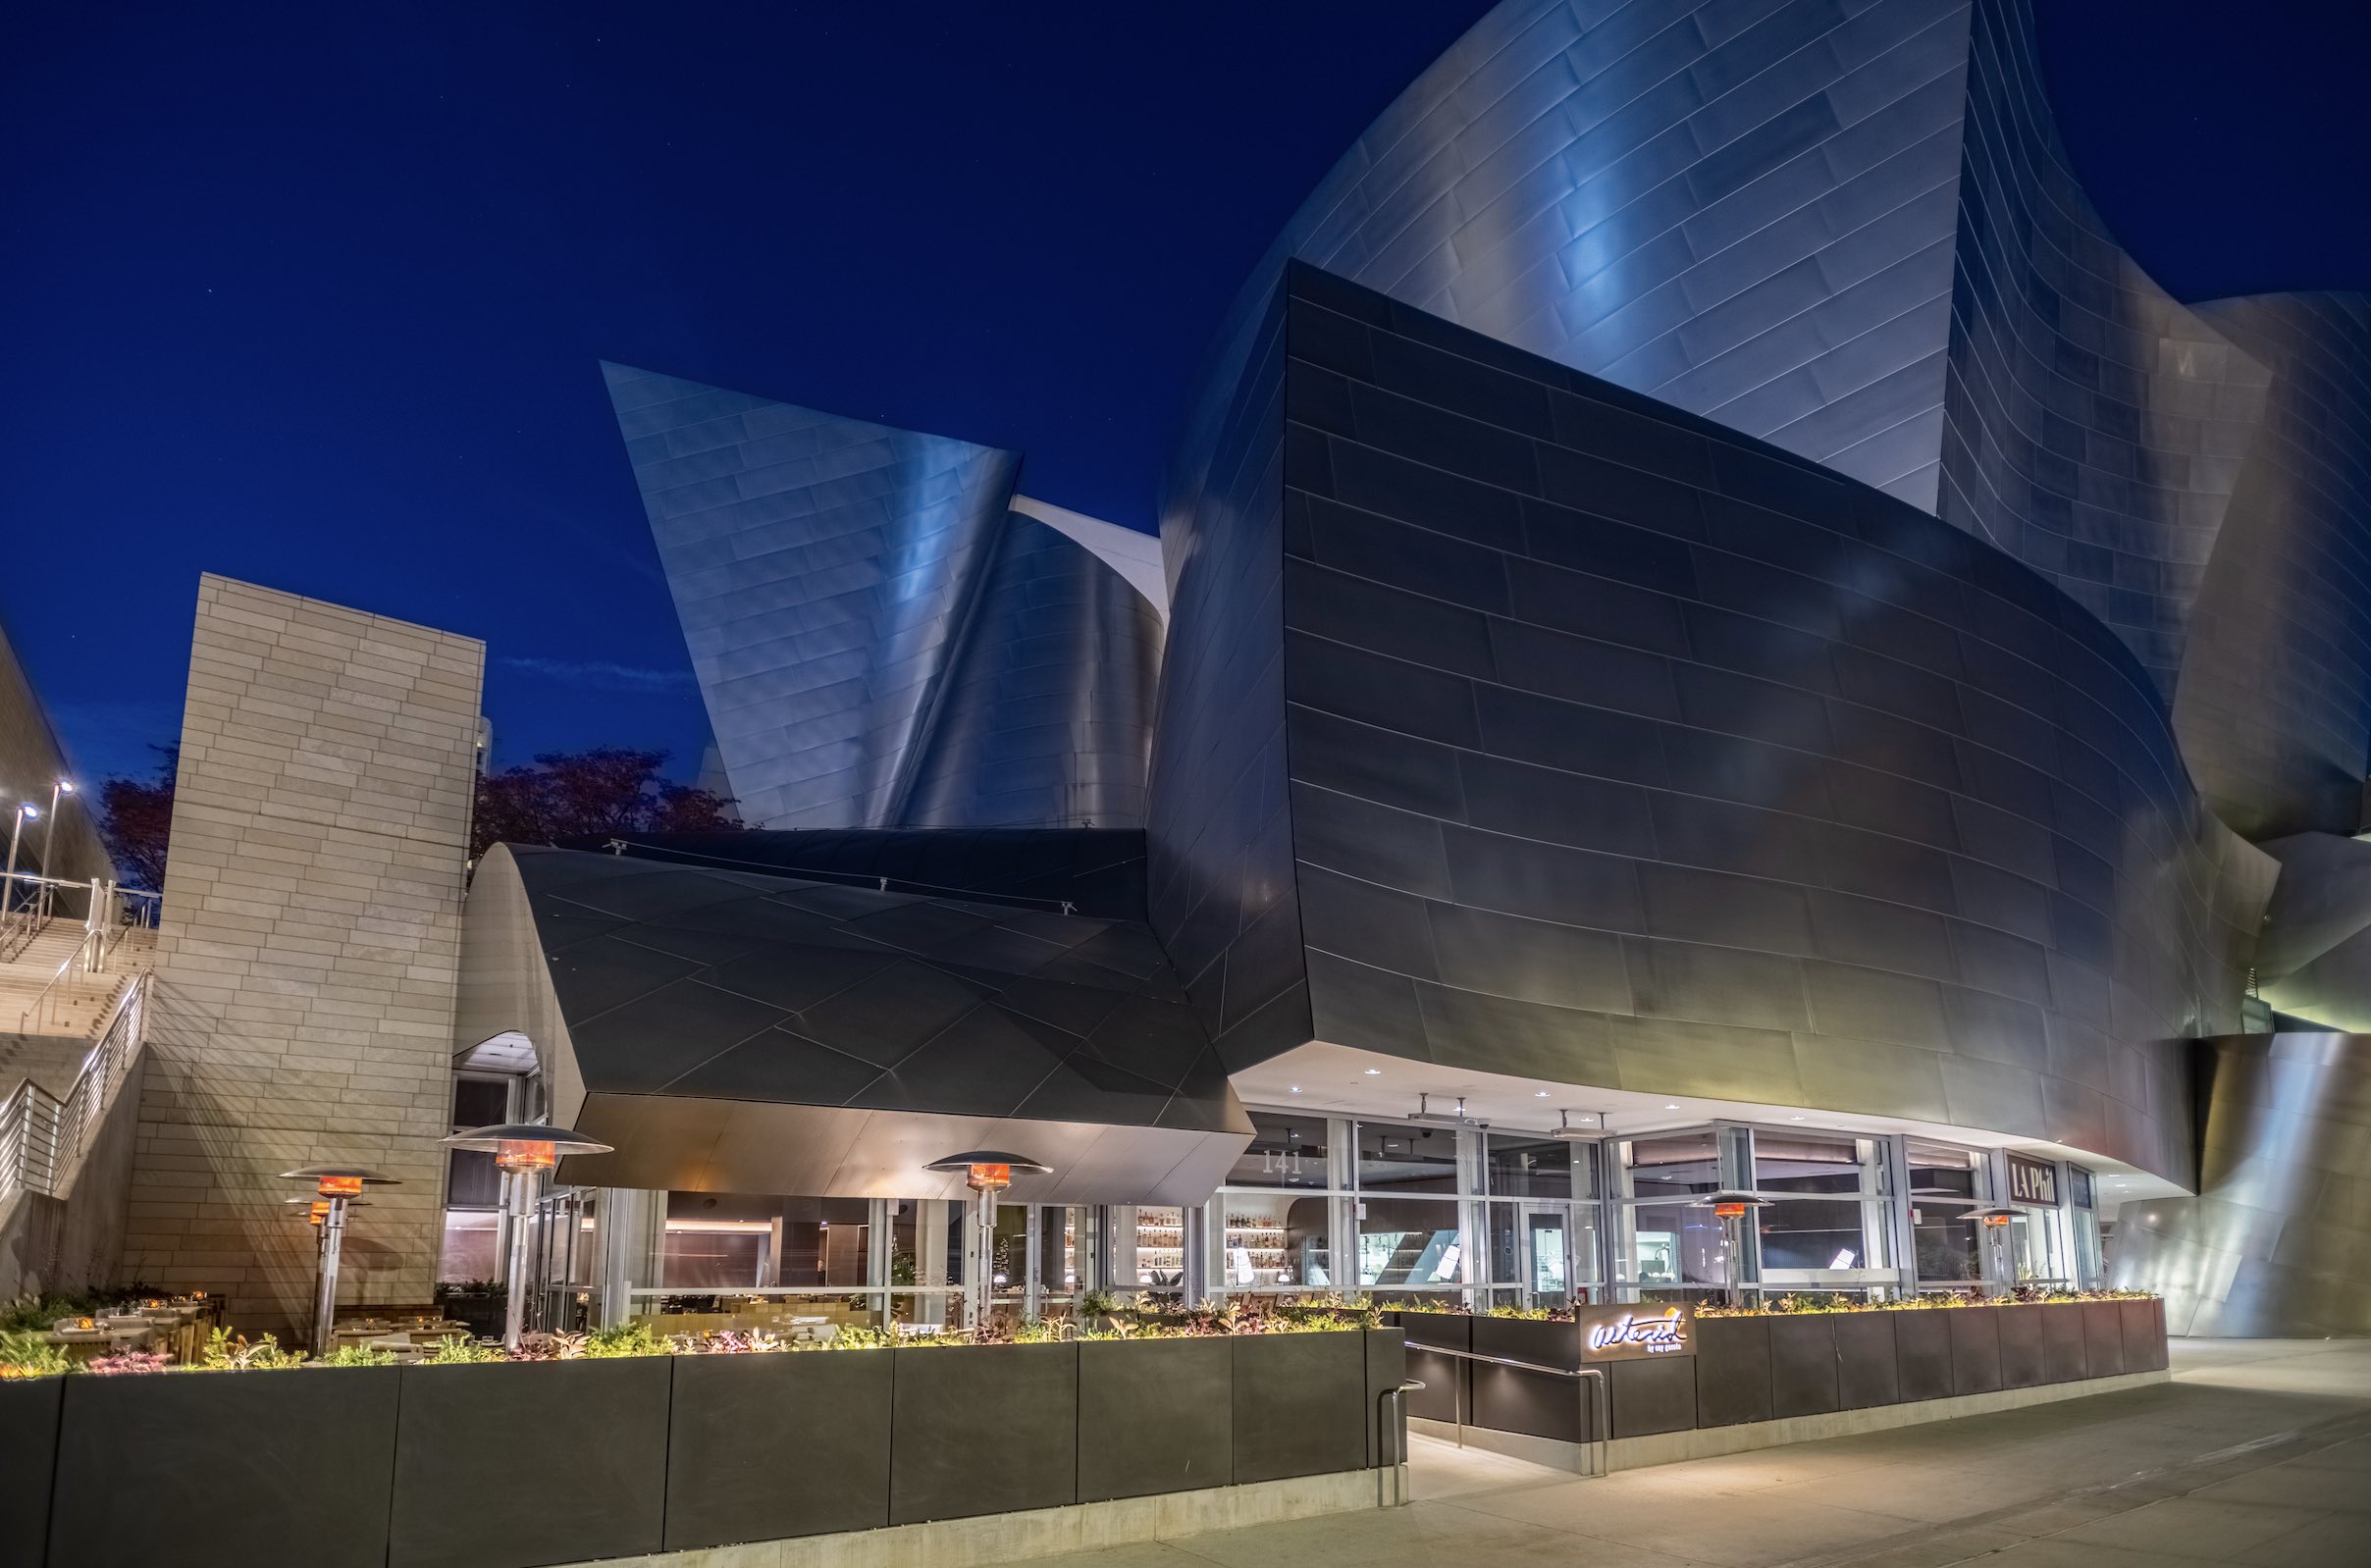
pixel 128 1361
pixel 453 1350
pixel 634 1338
pixel 226 1352
pixel 1098 1304
pixel 358 1355
pixel 25 1353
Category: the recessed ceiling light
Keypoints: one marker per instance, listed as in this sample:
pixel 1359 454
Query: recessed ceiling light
pixel 1672 1106
pixel 1539 1095
pixel 1297 1088
pixel 1374 1072
pixel 1794 1118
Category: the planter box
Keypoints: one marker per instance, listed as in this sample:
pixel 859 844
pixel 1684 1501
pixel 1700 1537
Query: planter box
pixel 1156 1415
pixel 1922 1352
pixel 982 1430
pixel 1448 1382
pixel 2143 1335
pixel 514 1465
pixel 1975 1363
pixel 1655 1395
pixel 1868 1361
pixel 29 1408
pixel 765 1446
pixel 2103 1337
pixel 2064 1358
pixel 1732 1371
pixel 2024 1352
pixel 1299 1404
pixel 1804 1364
pixel 224 1469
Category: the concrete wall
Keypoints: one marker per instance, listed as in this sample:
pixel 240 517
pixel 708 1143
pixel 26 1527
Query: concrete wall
pixel 76 1241
pixel 306 975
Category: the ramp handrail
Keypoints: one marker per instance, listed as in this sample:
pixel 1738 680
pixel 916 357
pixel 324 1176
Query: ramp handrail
pixel 42 1137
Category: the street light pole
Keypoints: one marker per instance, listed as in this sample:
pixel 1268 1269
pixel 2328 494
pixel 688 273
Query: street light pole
pixel 49 836
pixel 7 898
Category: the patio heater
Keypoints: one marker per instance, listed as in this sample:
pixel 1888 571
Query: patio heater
pixel 986 1172
pixel 335 1188
pixel 522 1152
pixel 1993 1223
pixel 1730 1207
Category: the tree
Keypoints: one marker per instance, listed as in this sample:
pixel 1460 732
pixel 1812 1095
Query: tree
pixel 609 791
pixel 136 818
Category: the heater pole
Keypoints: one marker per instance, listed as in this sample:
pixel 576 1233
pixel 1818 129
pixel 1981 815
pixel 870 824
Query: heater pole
pixel 325 1299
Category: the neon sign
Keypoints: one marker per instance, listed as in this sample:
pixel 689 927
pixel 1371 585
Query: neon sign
pixel 1629 1334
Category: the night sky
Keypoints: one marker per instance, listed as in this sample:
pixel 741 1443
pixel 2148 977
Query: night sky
pixel 313 295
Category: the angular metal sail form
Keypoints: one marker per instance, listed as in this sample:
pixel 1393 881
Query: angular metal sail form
pixel 879 637
pixel 732 1030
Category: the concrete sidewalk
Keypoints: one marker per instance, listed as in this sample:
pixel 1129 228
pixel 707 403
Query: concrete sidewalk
pixel 2258 1452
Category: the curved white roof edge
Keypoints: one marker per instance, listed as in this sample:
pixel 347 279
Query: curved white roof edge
pixel 1133 556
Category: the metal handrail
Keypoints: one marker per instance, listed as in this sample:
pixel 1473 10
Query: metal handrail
pixel 1590 1411
pixel 43 1138
pixel 19 935
pixel 1392 1457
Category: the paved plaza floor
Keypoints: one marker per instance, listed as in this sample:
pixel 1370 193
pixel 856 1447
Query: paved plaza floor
pixel 2258 1452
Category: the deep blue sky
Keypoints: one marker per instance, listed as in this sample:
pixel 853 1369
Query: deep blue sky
pixel 313 295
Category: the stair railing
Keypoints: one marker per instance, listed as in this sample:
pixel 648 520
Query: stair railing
pixel 42 1137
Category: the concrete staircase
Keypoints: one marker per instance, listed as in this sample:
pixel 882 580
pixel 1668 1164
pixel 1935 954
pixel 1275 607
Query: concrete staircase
pixel 49 1021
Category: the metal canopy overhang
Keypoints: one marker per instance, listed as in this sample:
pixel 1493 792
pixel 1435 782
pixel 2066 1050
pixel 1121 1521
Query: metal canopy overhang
pixel 681 1143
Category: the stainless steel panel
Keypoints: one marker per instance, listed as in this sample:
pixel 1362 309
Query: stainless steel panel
pixel 2278 1241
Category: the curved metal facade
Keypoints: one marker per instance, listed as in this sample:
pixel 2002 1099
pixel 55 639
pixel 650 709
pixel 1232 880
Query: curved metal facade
pixel 1046 719
pixel 1619 750
pixel 2278 1242
pixel 2274 707
pixel 2093 425
pixel 1847 228
pixel 879 639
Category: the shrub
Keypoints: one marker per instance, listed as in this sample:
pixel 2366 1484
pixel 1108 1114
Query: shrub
pixel 453 1350
pixel 225 1353
pixel 25 1353
pixel 359 1355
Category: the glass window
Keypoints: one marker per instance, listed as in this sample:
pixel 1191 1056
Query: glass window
pixel 1541 1250
pixel 1409 1242
pixel 480 1102
pixel 1813 1162
pixel 1946 1183
pixel 1679 1164
pixel 471 1179
pixel 1406 1159
pixel 1818 1233
pixel 1520 1166
pixel 1285 1151
pixel 1671 1246
pixel 1271 1242
pixel 472 1244
pixel 2080 1188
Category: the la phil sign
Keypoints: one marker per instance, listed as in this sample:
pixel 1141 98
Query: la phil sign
pixel 1630 1332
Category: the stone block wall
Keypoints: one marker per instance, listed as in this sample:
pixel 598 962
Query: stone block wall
pixel 305 979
